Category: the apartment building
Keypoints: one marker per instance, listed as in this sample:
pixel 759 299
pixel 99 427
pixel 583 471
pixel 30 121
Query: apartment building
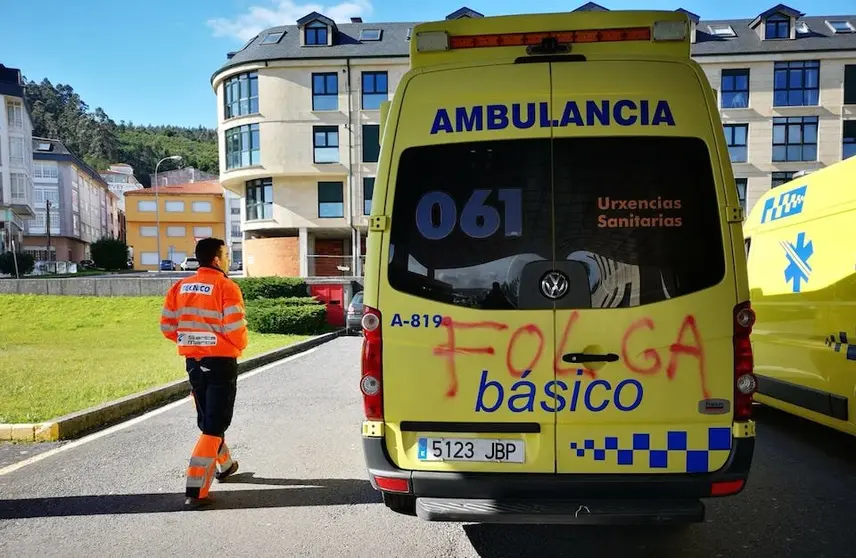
pixel 16 160
pixel 73 205
pixel 298 120
pixel 786 86
pixel 182 176
pixel 234 235
pixel 120 179
pixel 175 217
pixel 299 114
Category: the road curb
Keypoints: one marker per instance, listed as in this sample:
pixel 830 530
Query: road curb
pixel 101 416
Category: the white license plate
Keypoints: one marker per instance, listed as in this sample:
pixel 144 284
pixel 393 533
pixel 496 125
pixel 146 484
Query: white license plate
pixel 471 449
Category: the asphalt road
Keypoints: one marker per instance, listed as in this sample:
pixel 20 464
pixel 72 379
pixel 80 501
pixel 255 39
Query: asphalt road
pixel 302 490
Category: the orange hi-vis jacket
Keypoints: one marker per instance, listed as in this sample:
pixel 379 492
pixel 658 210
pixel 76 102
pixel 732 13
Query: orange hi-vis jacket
pixel 204 315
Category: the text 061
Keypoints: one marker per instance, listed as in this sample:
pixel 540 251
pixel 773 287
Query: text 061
pixel 478 219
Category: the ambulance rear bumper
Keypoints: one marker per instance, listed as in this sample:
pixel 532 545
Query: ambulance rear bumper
pixel 541 487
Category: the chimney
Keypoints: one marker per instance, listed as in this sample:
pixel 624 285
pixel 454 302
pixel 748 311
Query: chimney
pixel 356 20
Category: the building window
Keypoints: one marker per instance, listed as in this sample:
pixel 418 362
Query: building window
pixel 260 199
pixel 331 199
pixel 796 84
pixel 741 193
pixel 368 192
pixel 795 138
pixel 201 207
pixel 45 170
pixel 371 143
pixel 780 178
pixel 325 91
pixel 174 206
pixel 16 151
pixel 325 143
pixel 19 186
pixel 75 225
pixel 15 110
pixel 241 95
pixel 735 88
pixel 850 84
pixel 242 146
pixel 735 137
pixel 778 27
pixel 145 206
pixel 316 33
pixel 375 89
pixel 149 258
pixel 203 232
pixel 146 230
pixel 849 139
pixel 236 230
pixel 176 230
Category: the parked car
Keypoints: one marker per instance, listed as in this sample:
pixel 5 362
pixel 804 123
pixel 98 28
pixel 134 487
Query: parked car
pixel 167 265
pixel 189 264
pixel 87 264
pixel 355 313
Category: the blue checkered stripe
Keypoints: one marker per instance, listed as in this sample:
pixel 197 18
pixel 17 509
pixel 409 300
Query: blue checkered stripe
pixel 697 460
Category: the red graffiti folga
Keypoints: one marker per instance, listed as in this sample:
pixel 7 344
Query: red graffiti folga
pixel 648 362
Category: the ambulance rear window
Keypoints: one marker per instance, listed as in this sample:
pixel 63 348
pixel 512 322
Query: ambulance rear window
pixel 638 215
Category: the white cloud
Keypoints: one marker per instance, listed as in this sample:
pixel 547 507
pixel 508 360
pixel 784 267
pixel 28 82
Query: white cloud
pixel 285 12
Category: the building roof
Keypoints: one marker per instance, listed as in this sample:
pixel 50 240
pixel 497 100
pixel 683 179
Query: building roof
pixel 820 37
pixel 47 149
pixel 394 42
pixel 205 187
pixel 395 37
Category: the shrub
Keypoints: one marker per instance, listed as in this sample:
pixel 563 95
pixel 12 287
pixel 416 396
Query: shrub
pixel 308 319
pixel 109 253
pixel 26 263
pixel 280 302
pixel 272 287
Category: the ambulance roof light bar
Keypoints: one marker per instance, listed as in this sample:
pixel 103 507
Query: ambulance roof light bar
pixel 435 41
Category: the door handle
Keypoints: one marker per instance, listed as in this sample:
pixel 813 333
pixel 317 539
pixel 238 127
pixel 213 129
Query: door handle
pixel 589 357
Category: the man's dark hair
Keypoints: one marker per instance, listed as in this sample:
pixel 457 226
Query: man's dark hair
pixel 207 249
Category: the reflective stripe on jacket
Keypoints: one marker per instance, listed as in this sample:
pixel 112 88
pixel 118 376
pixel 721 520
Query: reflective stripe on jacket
pixel 204 315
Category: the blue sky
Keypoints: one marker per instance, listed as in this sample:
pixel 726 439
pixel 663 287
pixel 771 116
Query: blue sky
pixel 150 61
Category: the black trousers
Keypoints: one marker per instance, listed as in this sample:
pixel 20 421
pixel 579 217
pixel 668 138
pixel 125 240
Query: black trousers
pixel 214 381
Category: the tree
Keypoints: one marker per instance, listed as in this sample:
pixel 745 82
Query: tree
pixel 26 263
pixel 59 113
pixel 109 253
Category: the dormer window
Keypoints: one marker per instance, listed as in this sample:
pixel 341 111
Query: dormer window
pixel 777 26
pixel 316 33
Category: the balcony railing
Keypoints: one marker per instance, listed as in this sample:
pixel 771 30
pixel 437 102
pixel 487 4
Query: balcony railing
pixel 321 265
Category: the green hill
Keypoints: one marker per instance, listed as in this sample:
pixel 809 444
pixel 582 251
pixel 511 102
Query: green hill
pixel 59 113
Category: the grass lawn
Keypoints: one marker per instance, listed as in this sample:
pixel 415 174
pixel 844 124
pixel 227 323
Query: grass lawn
pixel 60 354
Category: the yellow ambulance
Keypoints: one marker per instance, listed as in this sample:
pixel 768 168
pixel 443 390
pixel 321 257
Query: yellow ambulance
pixel 802 281
pixel 556 322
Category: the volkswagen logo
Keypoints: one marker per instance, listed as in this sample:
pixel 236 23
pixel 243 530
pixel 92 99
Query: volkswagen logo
pixel 555 285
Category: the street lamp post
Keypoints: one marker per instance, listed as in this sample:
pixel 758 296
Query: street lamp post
pixel 157 203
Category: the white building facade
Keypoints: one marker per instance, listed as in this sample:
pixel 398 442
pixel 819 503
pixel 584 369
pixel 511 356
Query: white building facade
pixel 16 160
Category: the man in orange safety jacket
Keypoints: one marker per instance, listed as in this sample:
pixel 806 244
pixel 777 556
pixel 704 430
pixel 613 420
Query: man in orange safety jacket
pixel 204 316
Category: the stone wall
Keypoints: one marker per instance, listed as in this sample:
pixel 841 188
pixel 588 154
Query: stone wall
pixel 90 286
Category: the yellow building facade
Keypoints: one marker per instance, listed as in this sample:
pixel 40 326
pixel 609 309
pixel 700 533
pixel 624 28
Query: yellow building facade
pixel 185 213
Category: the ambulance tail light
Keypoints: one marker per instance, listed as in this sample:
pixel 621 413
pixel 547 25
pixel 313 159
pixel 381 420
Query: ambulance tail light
pixel 745 382
pixel 727 488
pixel 371 381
